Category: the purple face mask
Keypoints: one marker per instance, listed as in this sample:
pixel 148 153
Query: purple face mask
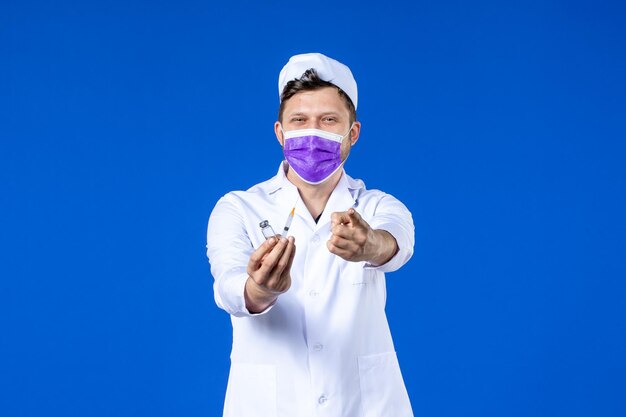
pixel 313 154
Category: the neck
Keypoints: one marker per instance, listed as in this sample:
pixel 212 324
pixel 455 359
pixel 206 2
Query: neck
pixel 315 197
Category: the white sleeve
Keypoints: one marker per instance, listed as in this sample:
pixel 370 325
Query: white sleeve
pixel 393 216
pixel 229 249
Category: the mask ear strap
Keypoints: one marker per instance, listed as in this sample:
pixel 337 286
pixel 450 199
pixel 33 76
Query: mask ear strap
pixel 349 130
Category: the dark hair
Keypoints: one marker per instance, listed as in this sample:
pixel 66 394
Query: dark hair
pixel 311 81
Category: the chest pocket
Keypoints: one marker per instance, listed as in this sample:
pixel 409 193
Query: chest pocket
pixel 355 273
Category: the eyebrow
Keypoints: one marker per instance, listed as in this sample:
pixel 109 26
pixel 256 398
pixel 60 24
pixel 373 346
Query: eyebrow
pixel 328 113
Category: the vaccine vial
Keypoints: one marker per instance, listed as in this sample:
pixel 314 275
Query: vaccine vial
pixel 266 229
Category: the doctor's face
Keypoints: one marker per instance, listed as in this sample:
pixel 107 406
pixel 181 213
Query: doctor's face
pixel 322 109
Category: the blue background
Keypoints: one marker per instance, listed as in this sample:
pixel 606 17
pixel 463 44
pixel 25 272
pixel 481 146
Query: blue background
pixel 501 125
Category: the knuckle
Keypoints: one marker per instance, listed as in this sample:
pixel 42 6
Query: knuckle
pixel 261 272
pixel 258 280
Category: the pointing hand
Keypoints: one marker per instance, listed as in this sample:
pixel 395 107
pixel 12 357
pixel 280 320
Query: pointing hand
pixel 354 240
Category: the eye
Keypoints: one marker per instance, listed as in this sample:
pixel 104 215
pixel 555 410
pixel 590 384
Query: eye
pixel 329 119
pixel 297 119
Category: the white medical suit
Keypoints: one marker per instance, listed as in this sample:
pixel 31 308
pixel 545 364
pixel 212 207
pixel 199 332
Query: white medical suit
pixel 324 348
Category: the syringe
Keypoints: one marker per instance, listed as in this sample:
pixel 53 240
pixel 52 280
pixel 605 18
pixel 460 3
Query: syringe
pixel 288 224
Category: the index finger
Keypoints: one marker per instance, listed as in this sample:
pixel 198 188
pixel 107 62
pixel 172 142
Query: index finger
pixel 340 217
pixel 261 251
pixel 275 254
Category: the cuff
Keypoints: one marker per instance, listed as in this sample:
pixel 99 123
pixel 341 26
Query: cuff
pixel 405 249
pixel 229 293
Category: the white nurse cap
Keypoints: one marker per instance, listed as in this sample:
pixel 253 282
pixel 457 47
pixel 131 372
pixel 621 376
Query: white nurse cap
pixel 327 68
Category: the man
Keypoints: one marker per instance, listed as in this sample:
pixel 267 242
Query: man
pixel 310 335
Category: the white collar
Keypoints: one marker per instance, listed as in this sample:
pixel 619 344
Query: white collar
pixel 344 196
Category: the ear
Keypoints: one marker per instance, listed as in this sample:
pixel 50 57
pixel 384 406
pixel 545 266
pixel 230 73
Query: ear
pixel 279 133
pixel 355 132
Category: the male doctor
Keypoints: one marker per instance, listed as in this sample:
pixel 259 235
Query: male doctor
pixel 310 335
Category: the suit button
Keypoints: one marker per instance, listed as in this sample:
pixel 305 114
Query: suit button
pixel 313 293
pixel 315 238
pixel 322 400
pixel 318 347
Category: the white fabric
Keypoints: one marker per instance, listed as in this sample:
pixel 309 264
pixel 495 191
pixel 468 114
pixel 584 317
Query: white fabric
pixel 327 68
pixel 324 348
pixel 335 137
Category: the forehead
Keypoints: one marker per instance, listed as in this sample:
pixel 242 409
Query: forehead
pixel 324 100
